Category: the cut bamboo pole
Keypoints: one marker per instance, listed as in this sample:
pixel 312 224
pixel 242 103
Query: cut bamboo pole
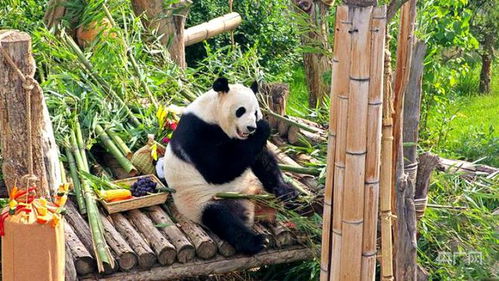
pixel 120 144
pixel 356 142
pixel 336 156
pixel 115 151
pixel 374 113
pixel 201 32
pixel 327 236
pixel 81 145
pixel 386 174
pixel 76 181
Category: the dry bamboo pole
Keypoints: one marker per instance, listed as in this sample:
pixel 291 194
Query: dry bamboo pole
pixel 356 142
pixel 201 32
pixel 336 158
pixel 386 175
pixel 374 111
pixel 336 89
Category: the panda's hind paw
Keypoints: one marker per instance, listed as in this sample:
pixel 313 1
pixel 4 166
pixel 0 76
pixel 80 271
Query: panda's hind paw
pixel 253 244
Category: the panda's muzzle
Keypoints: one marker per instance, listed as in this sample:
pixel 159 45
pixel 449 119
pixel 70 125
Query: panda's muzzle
pixel 244 135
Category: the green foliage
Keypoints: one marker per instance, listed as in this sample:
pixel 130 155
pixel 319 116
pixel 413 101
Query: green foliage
pixel 460 234
pixel 485 22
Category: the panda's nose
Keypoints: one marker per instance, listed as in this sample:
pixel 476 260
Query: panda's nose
pixel 251 129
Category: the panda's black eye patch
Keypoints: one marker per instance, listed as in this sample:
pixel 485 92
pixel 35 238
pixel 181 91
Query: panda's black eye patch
pixel 240 111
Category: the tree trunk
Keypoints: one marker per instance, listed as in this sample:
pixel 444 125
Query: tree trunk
pixel 485 73
pixel 168 23
pixel 317 65
pixel 13 115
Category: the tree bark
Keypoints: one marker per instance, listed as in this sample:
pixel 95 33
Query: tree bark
pixel 83 260
pixel 487 59
pixel 167 22
pixel 427 163
pixel 317 64
pixel 13 115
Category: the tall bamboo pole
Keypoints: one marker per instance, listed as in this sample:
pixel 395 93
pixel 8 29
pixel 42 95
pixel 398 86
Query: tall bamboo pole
pixel 356 141
pixel 373 147
pixel 338 88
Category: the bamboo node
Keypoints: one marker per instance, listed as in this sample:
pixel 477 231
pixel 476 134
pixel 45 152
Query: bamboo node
pixel 360 79
pixel 354 222
pixel 372 182
pixel 375 103
pixel 356 153
pixel 353 30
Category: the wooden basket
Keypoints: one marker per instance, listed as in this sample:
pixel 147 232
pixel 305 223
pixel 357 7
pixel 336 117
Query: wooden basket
pixel 136 202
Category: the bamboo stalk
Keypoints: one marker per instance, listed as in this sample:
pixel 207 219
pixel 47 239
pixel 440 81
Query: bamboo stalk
pixel 373 147
pixel 212 28
pixel 386 174
pixel 287 120
pixel 76 181
pixel 336 158
pixel 88 66
pixel 300 170
pixel 81 146
pixel 120 144
pixel 327 235
pixel 114 150
pixel 356 146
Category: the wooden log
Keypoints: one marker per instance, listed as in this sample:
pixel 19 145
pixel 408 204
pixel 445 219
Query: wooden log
pixel 282 235
pixel 83 260
pixel 217 265
pixel 167 22
pixel 125 256
pixel 185 250
pixel 205 246
pixel 466 169
pixel 275 96
pixel 281 156
pixel 13 122
pixel 267 233
pixel 373 145
pixel 427 163
pixel 164 250
pixel 405 230
pixel 79 225
pixel 212 28
pixel 54 13
pixel 331 233
pixel 145 255
pixel 356 145
pixel 224 248
pixel 70 273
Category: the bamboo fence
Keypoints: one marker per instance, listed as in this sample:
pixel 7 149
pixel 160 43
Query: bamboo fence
pixel 349 239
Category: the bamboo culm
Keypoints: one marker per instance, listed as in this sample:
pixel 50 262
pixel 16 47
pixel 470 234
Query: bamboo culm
pixel 81 146
pixel 120 144
pixel 76 182
pixel 300 170
pixel 114 150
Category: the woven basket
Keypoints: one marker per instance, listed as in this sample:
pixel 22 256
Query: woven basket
pixel 142 158
pixel 136 202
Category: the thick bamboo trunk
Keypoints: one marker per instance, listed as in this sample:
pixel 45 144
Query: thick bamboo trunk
pixel 185 250
pixel 164 250
pixel 83 260
pixel 212 28
pixel 166 22
pixel 316 64
pixel 13 114
pixel 146 257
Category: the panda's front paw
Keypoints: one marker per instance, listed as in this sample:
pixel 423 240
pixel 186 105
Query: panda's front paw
pixel 251 244
pixel 286 192
pixel 262 129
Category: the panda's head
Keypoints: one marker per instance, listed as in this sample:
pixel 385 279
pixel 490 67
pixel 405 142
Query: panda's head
pixel 237 108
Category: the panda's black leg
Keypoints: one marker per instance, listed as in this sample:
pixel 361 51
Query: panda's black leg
pixel 267 171
pixel 220 218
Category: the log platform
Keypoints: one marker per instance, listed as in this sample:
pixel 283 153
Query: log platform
pixel 151 244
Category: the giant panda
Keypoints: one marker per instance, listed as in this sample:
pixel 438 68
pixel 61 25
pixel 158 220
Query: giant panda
pixel 219 145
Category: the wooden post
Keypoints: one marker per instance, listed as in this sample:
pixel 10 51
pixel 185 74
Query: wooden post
pixel 316 64
pixel 13 113
pixel 166 22
pixel 349 240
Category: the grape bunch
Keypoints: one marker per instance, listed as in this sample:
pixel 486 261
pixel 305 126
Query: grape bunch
pixel 143 186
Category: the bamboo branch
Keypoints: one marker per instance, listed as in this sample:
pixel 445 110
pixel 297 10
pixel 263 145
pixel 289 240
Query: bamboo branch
pixel 300 170
pixel 111 148
pixel 76 181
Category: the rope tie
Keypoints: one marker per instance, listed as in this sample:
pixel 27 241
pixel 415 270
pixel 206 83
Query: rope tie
pixel 29 83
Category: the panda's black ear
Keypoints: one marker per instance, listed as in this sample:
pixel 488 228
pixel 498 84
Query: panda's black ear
pixel 221 85
pixel 254 87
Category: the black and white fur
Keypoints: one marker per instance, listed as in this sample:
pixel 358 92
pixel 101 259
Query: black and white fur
pixel 220 146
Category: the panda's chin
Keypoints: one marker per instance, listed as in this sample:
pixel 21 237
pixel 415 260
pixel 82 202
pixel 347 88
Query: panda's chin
pixel 241 135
